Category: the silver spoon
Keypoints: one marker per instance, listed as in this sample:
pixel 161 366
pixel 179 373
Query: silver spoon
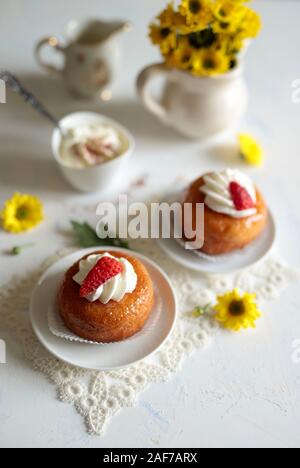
pixel 16 86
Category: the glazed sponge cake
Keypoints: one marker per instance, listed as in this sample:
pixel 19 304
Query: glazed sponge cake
pixel 115 310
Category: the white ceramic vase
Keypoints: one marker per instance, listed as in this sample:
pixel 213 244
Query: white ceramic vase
pixel 198 107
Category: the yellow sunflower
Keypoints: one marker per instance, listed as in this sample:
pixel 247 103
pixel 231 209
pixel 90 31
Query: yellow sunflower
pixel 228 16
pixel 234 44
pixel 235 311
pixel 227 10
pixel 227 27
pixel 21 213
pixel 250 150
pixel 209 62
pixel 164 33
pixel 170 17
pixel 197 12
pixel 163 36
pixel 182 56
pixel 251 25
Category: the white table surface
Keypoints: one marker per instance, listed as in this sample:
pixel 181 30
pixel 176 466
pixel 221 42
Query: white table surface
pixel 242 391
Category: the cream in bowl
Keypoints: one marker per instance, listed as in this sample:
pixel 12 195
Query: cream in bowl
pixel 92 151
pixel 90 145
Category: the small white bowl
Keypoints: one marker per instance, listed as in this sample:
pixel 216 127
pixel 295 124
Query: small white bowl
pixel 96 178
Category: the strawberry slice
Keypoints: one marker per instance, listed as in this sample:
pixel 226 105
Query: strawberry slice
pixel 240 196
pixel 104 270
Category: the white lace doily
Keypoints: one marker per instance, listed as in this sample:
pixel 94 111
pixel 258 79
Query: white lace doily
pixel 98 396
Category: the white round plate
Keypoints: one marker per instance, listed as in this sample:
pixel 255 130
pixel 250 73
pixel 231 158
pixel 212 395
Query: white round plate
pixel 107 356
pixel 230 263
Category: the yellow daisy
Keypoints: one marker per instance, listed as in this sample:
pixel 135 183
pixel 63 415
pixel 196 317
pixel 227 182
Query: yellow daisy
pixel 228 16
pixel 209 62
pixel 235 311
pixel 167 15
pixel 170 17
pixel 228 10
pixel 234 45
pixel 21 213
pixel 250 150
pixel 227 27
pixel 164 33
pixel 164 37
pixel 181 56
pixel 197 12
pixel 251 25
pixel 204 37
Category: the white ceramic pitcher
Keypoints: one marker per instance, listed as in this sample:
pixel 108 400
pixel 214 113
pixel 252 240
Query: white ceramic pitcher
pixel 91 55
pixel 198 107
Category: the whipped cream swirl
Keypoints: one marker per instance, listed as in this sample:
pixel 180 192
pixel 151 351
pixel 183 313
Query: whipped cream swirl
pixel 218 197
pixel 115 288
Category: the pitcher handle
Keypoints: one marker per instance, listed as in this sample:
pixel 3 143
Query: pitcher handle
pixel 143 88
pixel 52 42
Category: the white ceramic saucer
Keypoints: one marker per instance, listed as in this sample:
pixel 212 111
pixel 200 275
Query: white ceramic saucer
pixel 230 263
pixel 109 356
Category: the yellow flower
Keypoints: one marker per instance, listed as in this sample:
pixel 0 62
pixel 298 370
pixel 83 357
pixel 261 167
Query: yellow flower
pixel 250 150
pixel 235 43
pixel 232 17
pixel 228 10
pixel 164 37
pixel 169 17
pixel 197 12
pixel 251 25
pixel 204 37
pixel 235 311
pixel 164 33
pixel 21 213
pixel 227 27
pixel 209 62
pixel 166 16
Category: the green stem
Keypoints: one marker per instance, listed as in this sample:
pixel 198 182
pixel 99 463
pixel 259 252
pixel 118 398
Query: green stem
pixel 18 249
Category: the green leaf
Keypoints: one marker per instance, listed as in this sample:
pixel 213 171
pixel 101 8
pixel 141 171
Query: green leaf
pixel 85 234
pixel 87 237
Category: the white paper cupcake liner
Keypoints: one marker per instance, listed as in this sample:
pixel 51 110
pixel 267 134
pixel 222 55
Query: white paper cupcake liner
pixel 210 258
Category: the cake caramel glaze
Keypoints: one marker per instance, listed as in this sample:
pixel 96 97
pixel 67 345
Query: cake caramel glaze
pixel 223 233
pixel 114 321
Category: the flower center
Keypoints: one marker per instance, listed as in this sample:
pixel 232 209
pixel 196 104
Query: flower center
pixel 209 64
pixel 237 308
pixel 164 32
pixel 224 25
pixel 194 6
pixel 186 58
pixel 22 213
pixel 233 64
pixel 200 39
